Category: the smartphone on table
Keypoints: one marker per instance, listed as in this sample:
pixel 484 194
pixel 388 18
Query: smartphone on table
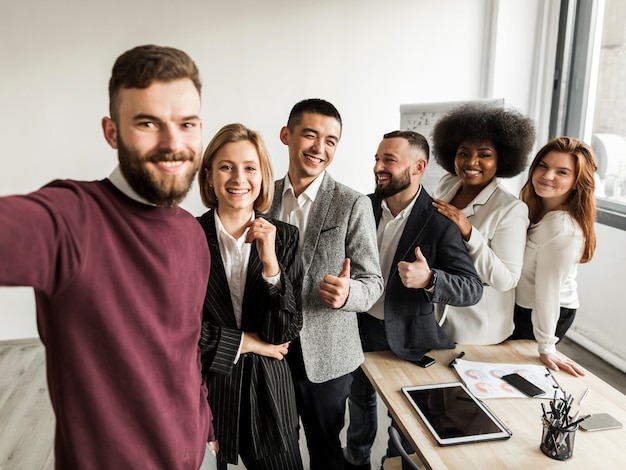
pixel 425 361
pixel 523 385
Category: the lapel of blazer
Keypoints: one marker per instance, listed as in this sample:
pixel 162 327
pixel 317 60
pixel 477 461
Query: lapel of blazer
pixel 253 283
pixel 274 211
pixel 254 276
pixel 218 291
pixel 415 227
pixel 482 198
pixel 318 215
pixel 316 220
pixel 376 207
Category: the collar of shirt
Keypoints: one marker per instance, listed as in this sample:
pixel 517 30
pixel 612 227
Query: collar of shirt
pixel 310 192
pixel 227 241
pixel 118 180
pixel 389 232
pixel 297 210
pixel 387 215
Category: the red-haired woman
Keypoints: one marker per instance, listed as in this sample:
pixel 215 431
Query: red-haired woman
pixel 561 206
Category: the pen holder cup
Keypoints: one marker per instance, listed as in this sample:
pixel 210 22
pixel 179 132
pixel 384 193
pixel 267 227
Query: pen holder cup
pixel 556 442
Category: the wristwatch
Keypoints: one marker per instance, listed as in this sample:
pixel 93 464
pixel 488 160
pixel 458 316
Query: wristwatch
pixel 433 280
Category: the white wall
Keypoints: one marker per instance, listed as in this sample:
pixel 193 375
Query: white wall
pixel 257 58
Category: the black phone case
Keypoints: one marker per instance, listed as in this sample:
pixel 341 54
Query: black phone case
pixel 425 361
pixel 523 385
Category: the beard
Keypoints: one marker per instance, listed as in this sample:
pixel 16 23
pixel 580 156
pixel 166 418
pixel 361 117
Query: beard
pixel 395 185
pixel 167 191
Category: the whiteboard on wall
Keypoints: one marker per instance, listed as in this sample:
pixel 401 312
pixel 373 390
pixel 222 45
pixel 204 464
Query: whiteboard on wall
pixel 421 118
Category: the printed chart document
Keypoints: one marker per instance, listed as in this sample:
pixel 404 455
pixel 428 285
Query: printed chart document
pixel 483 379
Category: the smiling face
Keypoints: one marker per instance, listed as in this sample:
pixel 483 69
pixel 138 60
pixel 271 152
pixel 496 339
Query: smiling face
pixel 312 143
pixel 554 177
pixel 397 167
pixel 236 177
pixel 476 163
pixel 158 135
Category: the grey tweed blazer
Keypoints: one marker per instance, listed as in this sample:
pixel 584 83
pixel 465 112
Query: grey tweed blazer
pixel 341 226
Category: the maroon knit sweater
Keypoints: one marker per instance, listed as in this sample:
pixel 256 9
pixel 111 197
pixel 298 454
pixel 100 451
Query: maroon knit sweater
pixel 119 287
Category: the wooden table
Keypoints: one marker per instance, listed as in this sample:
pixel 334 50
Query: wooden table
pixel 600 449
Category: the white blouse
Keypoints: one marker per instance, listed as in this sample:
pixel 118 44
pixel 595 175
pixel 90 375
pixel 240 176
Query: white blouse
pixel 548 280
pixel 235 254
pixel 499 223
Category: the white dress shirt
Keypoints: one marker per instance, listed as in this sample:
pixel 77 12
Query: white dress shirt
pixel 389 232
pixel 235 254
pixel 297 210
pixel 548 280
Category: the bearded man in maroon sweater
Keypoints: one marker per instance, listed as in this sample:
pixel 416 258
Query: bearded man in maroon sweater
pixel 119 274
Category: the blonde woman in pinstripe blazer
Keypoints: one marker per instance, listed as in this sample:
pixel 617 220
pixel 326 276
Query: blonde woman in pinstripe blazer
pixel 252 308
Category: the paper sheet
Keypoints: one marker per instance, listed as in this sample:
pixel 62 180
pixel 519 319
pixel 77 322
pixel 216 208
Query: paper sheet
pixel 483 379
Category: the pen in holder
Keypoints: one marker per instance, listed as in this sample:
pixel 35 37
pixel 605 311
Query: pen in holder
pixel 557 442
pixel 557 439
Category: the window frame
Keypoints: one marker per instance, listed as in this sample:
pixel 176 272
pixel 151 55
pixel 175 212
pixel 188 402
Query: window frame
pixel 575 78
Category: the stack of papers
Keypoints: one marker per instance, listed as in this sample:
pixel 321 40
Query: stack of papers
pixel 484 379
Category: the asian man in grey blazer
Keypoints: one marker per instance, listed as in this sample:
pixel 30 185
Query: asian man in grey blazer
pixel 341 275
pixel 423 260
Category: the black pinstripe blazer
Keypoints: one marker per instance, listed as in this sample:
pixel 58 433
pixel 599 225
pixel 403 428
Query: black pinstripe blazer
pixel 262 383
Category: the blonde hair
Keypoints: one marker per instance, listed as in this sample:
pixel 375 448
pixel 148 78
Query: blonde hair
pixel 237 133
pixel 581 203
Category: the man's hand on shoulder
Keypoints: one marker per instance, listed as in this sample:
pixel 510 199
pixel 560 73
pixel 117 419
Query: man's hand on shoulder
pixel 334 290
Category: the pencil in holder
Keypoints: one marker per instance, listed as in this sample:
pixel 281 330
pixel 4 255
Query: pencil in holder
pixel 557 441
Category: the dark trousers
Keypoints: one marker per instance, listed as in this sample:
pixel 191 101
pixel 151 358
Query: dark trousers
pixel 363 424
pixel 524 325
pixel 322 408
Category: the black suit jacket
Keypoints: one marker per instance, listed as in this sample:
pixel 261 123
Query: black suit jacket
pixel 261 384
pixel 410 324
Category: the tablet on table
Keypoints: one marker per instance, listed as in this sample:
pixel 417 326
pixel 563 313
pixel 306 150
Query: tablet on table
pixel 453 415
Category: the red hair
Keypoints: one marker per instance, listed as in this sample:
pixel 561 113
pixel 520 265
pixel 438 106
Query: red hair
pixel 581 202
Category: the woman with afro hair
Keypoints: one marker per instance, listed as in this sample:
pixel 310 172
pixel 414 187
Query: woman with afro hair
pixel 477 144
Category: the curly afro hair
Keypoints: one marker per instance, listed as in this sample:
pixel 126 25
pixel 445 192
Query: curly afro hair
pixel 512 134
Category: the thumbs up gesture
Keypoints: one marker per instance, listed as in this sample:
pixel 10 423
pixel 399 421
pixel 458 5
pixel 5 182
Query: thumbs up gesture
pixel 334 290
pixel 415 275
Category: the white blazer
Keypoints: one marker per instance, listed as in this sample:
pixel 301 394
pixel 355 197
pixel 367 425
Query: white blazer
pixel 496 245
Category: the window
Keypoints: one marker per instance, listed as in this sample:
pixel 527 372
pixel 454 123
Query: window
pixel 589 98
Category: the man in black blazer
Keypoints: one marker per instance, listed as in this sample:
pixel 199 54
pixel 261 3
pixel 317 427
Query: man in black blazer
pixel 423 260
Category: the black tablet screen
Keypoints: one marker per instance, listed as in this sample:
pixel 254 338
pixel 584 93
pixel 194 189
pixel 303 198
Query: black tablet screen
pixel 452 412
